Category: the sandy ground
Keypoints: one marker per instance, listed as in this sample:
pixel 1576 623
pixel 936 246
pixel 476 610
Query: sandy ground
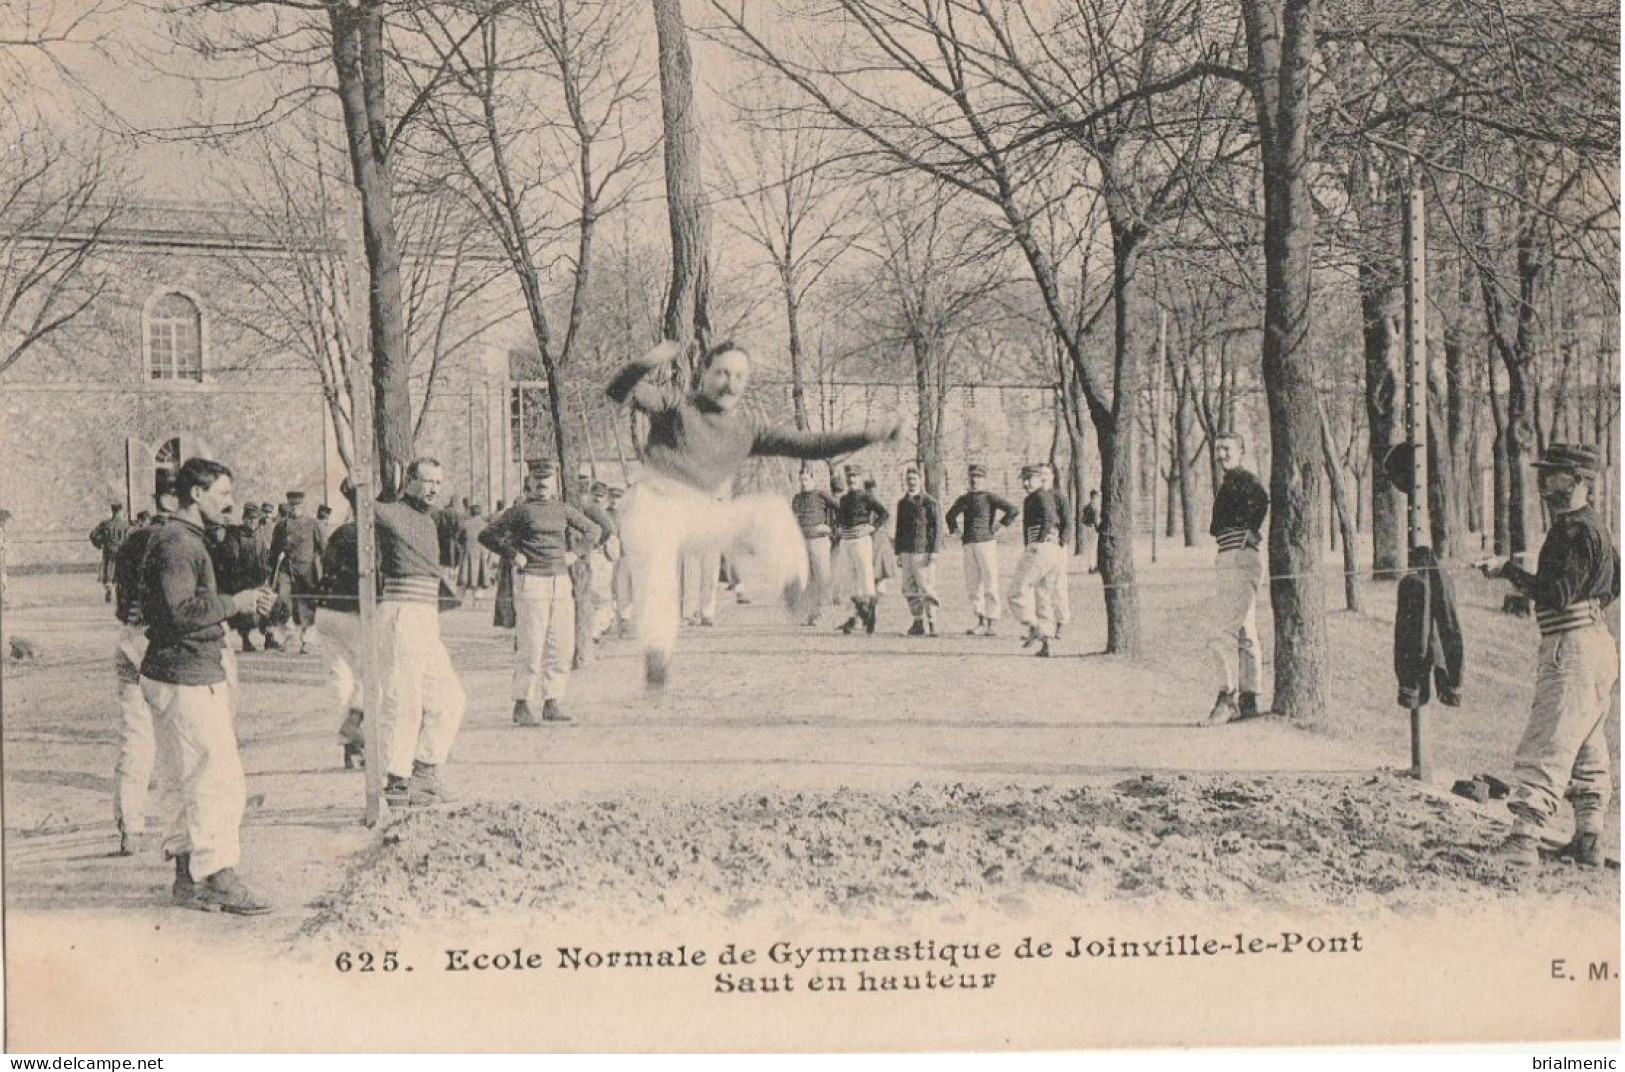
pixel 793 772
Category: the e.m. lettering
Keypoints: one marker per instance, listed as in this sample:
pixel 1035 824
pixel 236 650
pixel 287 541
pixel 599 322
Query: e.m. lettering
pixel 1116 947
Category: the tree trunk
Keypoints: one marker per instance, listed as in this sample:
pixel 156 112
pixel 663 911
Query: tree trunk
pixel 358 61
pixel 687 316
pixel 1115 431
pixel 1280 47
pixel 792 318
pixel 1345 523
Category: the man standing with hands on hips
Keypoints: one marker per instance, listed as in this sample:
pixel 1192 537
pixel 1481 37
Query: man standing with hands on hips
pixel 1239 508
pixel 535 535
pixel 1564 750
pixel 183 678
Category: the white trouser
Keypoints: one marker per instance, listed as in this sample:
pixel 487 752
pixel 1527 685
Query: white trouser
pixel 422 699
pixel 544 618
pixel 603 592
pixel 920 584
pixel 1032 589
pixel 818 563
pixel 201 790
pixel 341 635
pixel 137 746
pixel 1063 588
pixel 1234 639
pixel 700 584
pixel 1565 747
pixel 982 578
pixel 853 565
pixel 667 521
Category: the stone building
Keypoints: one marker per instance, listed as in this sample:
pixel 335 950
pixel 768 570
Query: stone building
pixel 178 355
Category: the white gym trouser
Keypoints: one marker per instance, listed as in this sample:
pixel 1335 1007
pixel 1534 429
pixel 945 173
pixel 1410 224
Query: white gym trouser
pixel 544 618
pixel 422 699
pixel 1032 589
pixel 341 636
pixel 667 521
pixel 699 584
pixel 603 590
pixel 818 562
pixel 920 584
pixel 1565 748
pixel 1234 640
pixel 137 746
pixel 982 578
pixel 201 790
pixel 853 565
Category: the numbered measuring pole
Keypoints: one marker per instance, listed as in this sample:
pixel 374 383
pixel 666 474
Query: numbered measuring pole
pixel 1418 525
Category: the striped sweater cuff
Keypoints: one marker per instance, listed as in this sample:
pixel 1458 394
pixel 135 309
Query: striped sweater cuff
pixel 1234 539
pixel 1569 618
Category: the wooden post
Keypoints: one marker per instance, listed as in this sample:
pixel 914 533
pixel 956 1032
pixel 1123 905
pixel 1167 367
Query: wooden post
pixel 1416 426
pixel 363 475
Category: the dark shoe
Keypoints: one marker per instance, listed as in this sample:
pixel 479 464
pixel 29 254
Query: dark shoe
pixel 1033 636
pixel 992 627
pixel 1224 709
pixel 223 891
pixel 128 841
pixel 107 595
pixel 1583 849
pixel 976 630
pixel 273 644
pixel 1058 627
pixel 918 628
pixel 523 715
pixel 655 667
pixel 184 891
pixel 1043 648
pixel 355 755
pixel 705 620
pixel 424 787
pixel 847 627
pixel 872 618
pixel 552 712
pixel 1247 705
pixel 398 792
pixel 1519 854
pixel 930 627
pixel 248 645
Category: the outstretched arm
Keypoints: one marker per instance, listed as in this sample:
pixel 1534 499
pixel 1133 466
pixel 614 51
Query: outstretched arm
pixel 794 443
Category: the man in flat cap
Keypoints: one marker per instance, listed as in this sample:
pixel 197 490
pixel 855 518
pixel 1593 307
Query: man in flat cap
pixel 918 540
pixel 857 516
pixel 536 536
pixel 1240 506
pixel 106 537
pixel 1564 750
pixel 815 511
pixel 297 543
pixel 1042 567
pixel 982 514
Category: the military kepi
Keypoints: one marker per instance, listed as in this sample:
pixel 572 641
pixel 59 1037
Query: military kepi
pixel 295 497
pixel 1581 459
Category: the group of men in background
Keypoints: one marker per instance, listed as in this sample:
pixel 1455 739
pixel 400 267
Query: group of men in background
pixel 848 554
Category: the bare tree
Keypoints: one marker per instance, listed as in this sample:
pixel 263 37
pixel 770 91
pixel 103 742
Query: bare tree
pixel 688 298
pixel 56 205
pixel 791 203
pixel 534 123
pixel 296 270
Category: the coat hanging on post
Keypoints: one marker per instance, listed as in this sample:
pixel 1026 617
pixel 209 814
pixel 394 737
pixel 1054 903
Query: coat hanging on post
pixel 1428 648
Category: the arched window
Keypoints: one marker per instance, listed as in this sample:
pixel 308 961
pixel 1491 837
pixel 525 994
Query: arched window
pixel 175 339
